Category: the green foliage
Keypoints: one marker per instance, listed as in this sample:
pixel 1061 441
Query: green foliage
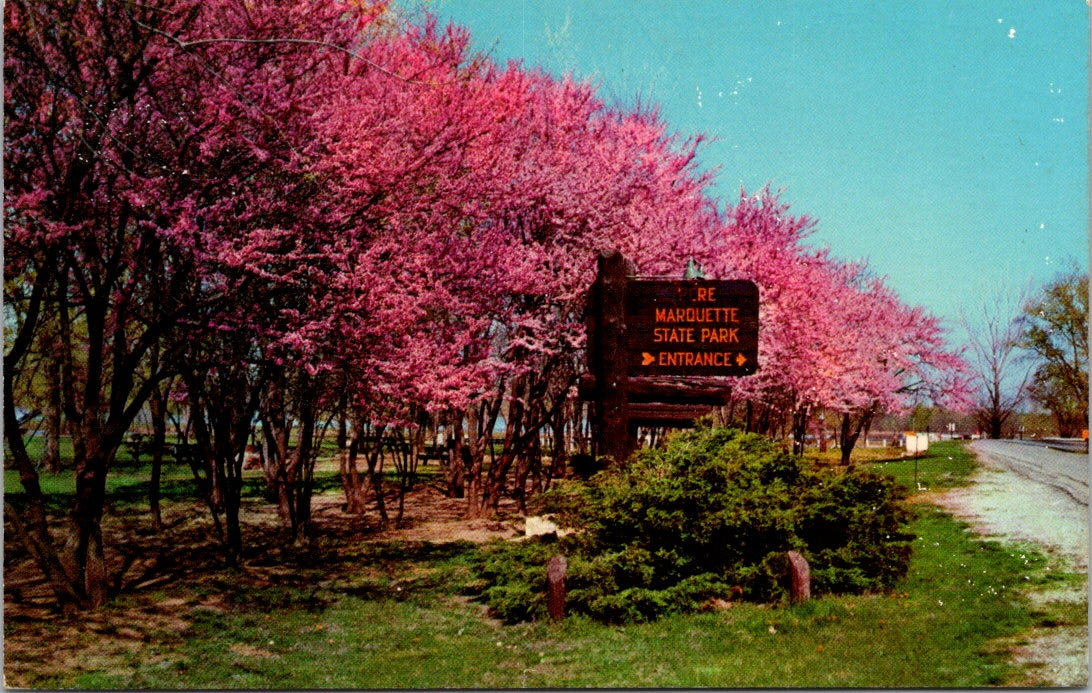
pixel 1055 329
pixel 509 576
pixel 711 515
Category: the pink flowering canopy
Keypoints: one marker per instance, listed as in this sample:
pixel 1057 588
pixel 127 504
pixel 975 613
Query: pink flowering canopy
pixel 369 196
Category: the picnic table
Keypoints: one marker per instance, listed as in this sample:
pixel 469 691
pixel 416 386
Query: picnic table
pixel 139 445
pixel 187 452
pixel 434 452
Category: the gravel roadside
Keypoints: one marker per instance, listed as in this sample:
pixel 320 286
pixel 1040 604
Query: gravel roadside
pixel 1003 504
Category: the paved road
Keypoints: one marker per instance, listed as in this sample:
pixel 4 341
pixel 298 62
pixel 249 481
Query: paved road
pixel 1067 472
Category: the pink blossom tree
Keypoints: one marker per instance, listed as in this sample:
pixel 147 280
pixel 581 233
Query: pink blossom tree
pixel 93 181
pixel 153 171
pixel 474 192
pixel 833 336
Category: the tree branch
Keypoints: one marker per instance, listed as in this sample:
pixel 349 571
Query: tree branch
pixel 186 45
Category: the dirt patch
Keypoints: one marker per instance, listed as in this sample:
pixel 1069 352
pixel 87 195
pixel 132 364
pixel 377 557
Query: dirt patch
pixel 430 516
pixel 1001 504
pixel 249 651
pixel 1055 656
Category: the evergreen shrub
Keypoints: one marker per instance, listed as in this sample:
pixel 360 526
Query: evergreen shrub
pixel 711 515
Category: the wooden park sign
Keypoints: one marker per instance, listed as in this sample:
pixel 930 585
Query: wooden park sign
pixel 651 341
pixel 692 327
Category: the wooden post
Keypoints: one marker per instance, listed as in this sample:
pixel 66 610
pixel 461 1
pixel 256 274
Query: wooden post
pixel 799 578
pixel 608 358
pixel 555 587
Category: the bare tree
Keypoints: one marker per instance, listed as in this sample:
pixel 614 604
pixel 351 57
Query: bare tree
pixel 1001 376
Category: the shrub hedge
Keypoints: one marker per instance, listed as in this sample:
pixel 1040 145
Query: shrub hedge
pixel 710 515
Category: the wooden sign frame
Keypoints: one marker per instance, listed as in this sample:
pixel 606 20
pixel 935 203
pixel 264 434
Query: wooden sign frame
pixel 630 383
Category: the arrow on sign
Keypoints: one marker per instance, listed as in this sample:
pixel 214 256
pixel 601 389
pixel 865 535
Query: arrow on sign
pixel 647 358
pixel 741 359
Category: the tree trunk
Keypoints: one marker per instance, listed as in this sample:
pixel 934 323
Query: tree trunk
pixel 204 464
pixel 351 482
pixel 454 470
pixel 375 477
pixel 845 441
pixel 800 429
pixel 472 457
pixel 481 419
pixel 31 525
pixel 269 453
pixel 88 560
pixel 850 433
pixel 528 462
pixel 513 435
pixel 406 457
pixel 12 433
pixel 278 427
pixel 233 492
pixel 300 473
pixel 51 414
pixel 158 403
pixel 342 419
pixel 559 456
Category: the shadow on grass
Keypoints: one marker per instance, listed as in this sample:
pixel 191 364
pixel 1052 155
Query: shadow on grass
pixel 123 493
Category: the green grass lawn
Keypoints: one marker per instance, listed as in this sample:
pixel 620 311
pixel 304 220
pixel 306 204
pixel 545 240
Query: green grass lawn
pixel 416 633
pixel 391 616
pixel 944 465
pixel 128 480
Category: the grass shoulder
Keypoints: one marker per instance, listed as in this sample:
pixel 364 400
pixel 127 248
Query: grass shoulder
pixel 391 614
pixel 945 464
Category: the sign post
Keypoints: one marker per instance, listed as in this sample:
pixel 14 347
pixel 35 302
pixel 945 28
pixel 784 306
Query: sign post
pixel 607 357
pixel 649 339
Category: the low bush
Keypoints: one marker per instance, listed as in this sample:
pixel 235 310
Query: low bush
pixel 710 515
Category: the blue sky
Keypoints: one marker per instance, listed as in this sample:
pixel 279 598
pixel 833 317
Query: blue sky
pixel 945 142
